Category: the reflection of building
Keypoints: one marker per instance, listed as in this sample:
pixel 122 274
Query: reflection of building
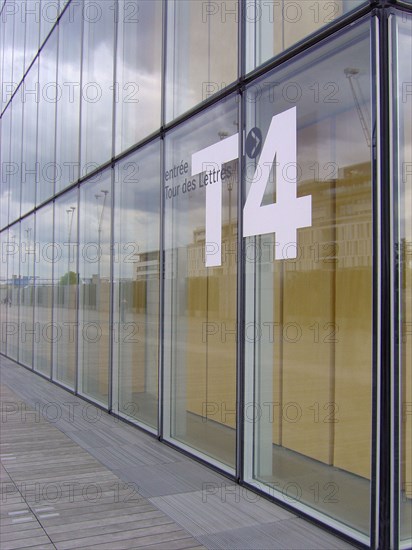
pixel 147 265
pixel 196 251
pixel 310 343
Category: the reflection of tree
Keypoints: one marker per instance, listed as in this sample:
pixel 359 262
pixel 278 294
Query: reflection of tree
pixel 69 278
pixel 99 238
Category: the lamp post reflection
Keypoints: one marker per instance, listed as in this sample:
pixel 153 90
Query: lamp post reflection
pixel 13 276
pixel 99 239
pixel 70 215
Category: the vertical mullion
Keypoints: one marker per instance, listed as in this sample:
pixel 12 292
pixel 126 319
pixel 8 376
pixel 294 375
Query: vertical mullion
pixel 240 306
pixel 161 296
pixel 240 271
pixel 161 384
pixel 112 205
pixel 384 396
pixel 396 286
pixel 79 158
pixel 57 31
pixel 376 327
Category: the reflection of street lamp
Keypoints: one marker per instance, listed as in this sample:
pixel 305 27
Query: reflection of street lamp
pixel 29 251
pixel 28 233
pixel 351 73
pixel 70 215
pixel 13 239
pixel 10 298
pixel 99 238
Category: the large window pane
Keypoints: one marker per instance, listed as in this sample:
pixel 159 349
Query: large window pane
pixel 4 290
pixel 403 214
pixel 14 281
pixel 15 158
pixel 18 42
pixel 30 93
pixel 136 286
pixel 272 27
pixel 97 83
pixel 7 86
pixel 94 284
pixel 201 52
pixel 47 118
pixel 200 301
pixel 43 295
pixel 138 78
pixel 65 277
pixel 309 283
pixel 49 11
pixel 32 18
pixel 68 106
pixel 27 292
pixel 6 168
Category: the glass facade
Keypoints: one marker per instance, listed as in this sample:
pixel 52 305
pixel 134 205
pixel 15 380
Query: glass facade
pixel 205 228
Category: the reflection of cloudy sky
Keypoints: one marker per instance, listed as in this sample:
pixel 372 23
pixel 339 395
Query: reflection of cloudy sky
pixel 97 88
pixel 67 132
pixel 138 72
pixel 195 46
pixel 186 213
pixel 18 46
pixel 329 128
pixel 44 239
pixel 28 144
pixel 5 158
pixel 95 215
pixel 46 112
pixel 137 197
pixel 15 159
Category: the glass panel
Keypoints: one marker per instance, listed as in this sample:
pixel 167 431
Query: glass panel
pixel 94 282
pixel 68 106
pixel 97 84
pixel 29 170
pixel 309 281
pixel 14 281
pixel 197 34
pixel 27 292
pixel 402 95
pixel 63 4
pixel 272 27
pixel 6 167
pixel 44 258
pixel 5 254
pixel 15 157
pixel 18 43
pixel 138 78
pixel 200 301
pixel 47 111
pixel 32 19
pixel 136 286
pixel 7 85
pixel 65 277
pixel 49 11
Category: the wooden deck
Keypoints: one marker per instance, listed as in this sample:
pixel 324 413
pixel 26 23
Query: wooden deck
pixel 73 476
